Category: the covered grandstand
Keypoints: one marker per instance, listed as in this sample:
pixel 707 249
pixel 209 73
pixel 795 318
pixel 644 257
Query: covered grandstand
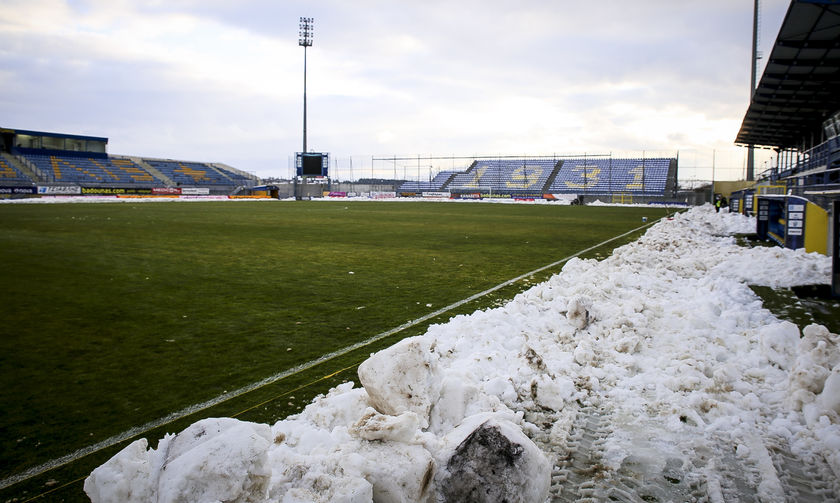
pixel 796 106
pixel 795 110
pixel 49 163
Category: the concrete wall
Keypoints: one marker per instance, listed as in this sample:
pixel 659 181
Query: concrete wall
pixel 727 188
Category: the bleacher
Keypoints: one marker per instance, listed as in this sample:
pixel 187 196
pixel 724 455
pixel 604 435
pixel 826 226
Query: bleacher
pixel 135 172
pixel 603 176
pixel 67 160
pixel 434 185
pixel 89 170
pixel 190 173
pixel 9 173
pixel 120 170
pixel 236 177
pixel 505 176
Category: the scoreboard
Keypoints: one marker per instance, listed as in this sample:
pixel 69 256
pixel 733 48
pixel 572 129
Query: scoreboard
pixel 312 164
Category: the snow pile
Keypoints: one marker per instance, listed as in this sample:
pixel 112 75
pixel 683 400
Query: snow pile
pixel 212 460
pixel 664 337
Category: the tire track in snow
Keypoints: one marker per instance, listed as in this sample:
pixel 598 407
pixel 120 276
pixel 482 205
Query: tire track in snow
pixel 580 474
pixel 803 480
pixel 769 471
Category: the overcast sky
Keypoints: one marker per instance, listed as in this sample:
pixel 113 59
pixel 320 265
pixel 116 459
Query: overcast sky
pixel 222 80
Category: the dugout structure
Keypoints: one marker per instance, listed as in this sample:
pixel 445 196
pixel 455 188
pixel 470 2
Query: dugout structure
pixel 792 222
pixel 744 201
pixel 835 259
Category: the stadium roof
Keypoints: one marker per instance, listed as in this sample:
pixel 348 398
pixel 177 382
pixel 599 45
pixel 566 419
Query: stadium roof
pixel 800 86
pixel 53 135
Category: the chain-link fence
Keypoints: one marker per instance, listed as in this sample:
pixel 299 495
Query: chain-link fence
pixel 695 167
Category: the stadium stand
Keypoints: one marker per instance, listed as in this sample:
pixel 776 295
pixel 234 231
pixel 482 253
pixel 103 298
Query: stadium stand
pixel 604 176
pixel 650 177
pixel 505 176
pixel 81 170
pixel 236 176
pixel 62 161
pixel 190 173
pixel 437 184
pixel 135 172
pixel 9 173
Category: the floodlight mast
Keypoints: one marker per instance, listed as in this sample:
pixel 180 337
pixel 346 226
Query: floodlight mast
pixel 750 174
pixel 305 40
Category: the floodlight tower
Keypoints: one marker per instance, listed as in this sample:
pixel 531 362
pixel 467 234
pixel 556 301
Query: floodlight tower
pixel 305 40
pixel 756 55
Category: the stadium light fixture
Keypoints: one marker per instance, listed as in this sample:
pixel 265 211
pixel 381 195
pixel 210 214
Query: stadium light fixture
pixel 305 40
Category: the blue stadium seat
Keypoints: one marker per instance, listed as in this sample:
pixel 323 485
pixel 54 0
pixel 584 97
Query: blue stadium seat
pixel 122 171
pixel 505 176
pixel 8 173
pixel 190 173
pixel 235 177
pixel 434 185
pixel 85 170
pixel 601 176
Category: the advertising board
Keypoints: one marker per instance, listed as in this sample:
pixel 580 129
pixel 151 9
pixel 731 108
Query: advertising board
pixel 68 190
pixel 195 191
pixel 383 195
pixel 171 191
pixel 113 191
pixel 16 190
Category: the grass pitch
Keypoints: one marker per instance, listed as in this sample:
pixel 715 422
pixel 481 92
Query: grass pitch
pixel 115 315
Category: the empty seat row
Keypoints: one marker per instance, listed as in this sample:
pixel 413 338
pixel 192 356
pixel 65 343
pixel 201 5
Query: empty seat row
pixel 190 173
pixel 577 175
pixel 505 175
pixel 119 170
pixel 606 175
pixel 9 173
pixel 89 170
pixel 236 177
pixel 434 185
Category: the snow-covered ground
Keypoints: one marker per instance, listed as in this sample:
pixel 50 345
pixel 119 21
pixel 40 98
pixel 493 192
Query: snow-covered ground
pixel 652 375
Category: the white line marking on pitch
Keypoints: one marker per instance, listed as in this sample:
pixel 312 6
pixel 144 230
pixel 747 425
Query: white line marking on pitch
pixel 139 430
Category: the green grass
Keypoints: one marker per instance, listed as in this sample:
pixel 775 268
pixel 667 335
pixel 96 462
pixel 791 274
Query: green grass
pixel 802 305
pixel 115 315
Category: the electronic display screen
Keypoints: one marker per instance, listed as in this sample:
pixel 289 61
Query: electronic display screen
pixel 312 165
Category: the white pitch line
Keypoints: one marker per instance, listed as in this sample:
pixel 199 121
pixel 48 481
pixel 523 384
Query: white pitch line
pixel 139 430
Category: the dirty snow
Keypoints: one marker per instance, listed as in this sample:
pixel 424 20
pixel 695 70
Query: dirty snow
pixel 664 336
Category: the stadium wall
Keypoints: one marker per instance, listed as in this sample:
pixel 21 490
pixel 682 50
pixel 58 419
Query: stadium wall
pixel 727 188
